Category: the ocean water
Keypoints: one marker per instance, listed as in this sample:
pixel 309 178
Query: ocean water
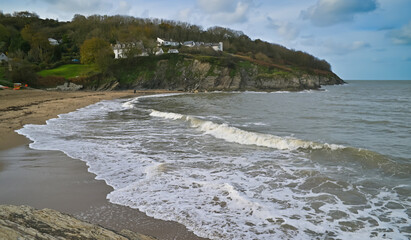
pixel 332 164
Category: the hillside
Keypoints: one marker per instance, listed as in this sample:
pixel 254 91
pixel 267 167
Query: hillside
pixel 202 73
pixel 37 47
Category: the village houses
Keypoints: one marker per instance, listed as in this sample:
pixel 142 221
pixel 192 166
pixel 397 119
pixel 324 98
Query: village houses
pixel 121 50
pixel 215 46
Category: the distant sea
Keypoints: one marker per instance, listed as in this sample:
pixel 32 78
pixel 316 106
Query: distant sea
pixel 331 164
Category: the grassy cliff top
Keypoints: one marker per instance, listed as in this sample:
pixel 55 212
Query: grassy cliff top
pixel 69 71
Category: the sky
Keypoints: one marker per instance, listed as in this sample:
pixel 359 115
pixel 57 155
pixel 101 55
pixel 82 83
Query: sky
pixel 361 39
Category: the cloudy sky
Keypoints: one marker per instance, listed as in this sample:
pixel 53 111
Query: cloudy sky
pixel 361 39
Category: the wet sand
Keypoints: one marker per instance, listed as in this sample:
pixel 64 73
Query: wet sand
pixel 18 108
pixel 50 179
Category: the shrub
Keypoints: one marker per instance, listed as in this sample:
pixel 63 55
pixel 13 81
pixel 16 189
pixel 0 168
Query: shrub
pixel 48 81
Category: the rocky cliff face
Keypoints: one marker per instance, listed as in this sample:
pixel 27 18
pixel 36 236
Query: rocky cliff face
pixel 24 222
pixel 195 75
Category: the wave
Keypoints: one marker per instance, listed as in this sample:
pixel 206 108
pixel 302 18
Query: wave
pixel 236 135
pixel 131 103
pixel 321 151
pixel 367 159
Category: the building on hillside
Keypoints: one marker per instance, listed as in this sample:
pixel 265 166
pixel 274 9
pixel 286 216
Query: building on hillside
pixel 218 46
pixel 189 44
pixel 173 51
pixel 3 57
pixel 215 46
pixel 162 42
pixel 53 42
pixel 122 50
pixel 159 52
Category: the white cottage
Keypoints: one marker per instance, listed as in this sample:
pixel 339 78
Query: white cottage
pixel 160 52
pixel 3 57
pixel 189 44
pixel 162 42
pixel 53 42
pixel 122 49
pixel 215 46
pixel 218 46
pixel 173 51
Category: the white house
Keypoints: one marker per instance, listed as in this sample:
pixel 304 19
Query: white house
pixel 162 42
pixel 189 44
pixel 218 46
pixel 53 42
pixel 3 57
pixel 173 51
pixel 160 52
pixel 121 50
pixel 118 51
pixel 215 46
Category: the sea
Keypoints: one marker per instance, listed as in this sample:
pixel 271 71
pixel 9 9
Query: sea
pixel 329 164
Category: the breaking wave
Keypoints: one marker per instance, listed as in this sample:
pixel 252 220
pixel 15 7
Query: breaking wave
pixel 130 104
pixel 236 135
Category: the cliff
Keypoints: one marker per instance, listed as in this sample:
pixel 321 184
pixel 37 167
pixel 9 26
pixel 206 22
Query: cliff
pixel 187 73
pixel 23 222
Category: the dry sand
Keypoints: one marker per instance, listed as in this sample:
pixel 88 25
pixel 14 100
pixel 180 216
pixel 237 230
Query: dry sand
pixel 50 179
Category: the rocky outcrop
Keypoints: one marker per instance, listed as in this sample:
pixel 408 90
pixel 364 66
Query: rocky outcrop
pixel 195 75
pixel 23 222
pixel 68 86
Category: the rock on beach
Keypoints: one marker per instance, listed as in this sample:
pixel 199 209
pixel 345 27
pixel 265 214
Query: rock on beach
pixel 24 222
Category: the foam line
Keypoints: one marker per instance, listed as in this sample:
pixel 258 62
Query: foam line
pixel 236 135
pixel 130 103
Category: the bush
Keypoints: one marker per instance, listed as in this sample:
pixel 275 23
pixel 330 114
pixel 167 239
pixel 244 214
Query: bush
pixel 22 72
pixel 47 82
pixel 262 57
pixel 6 83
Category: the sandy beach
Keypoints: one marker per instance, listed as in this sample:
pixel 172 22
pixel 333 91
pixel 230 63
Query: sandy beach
pixel 50 179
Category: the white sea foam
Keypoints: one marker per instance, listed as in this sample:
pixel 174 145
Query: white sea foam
pixel 217 189
pixel 236 135
pixel 131 103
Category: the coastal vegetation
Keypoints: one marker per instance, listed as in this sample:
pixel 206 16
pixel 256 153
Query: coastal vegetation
pixel 70 71
pixel 46 52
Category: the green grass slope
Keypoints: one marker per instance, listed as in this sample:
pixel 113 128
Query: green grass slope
pixel 69 71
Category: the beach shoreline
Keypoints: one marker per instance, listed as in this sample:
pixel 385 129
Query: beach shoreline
pixel 50 179
pixel 18 108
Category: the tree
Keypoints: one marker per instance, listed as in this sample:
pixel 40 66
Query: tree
pixel 22 71
pixel 262 57
pixel 104 59
pixel 40 48
pixel 4 38
pixel 92 48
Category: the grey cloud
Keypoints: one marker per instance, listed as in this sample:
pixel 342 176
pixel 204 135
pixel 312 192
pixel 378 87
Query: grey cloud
pixel 403 35
pixel 80 6
pixel 212 6
pixel 123 7
pixel 226 11
pixel 330 12
pixel 336 48
pixel 285 29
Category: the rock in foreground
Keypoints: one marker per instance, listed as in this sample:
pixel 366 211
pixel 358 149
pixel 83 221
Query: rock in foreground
pixel 23 222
